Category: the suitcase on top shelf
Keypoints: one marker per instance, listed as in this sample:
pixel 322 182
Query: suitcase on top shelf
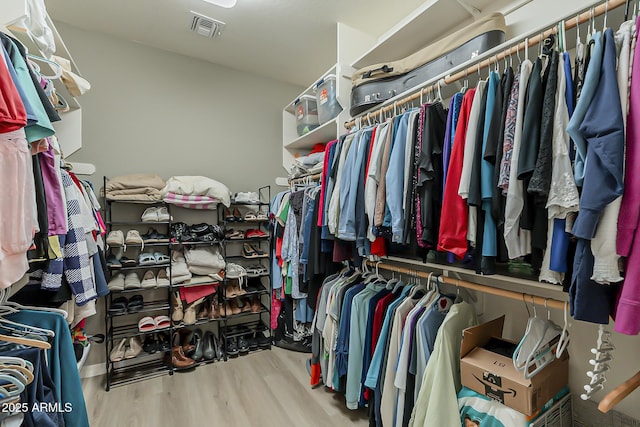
pixel 375 84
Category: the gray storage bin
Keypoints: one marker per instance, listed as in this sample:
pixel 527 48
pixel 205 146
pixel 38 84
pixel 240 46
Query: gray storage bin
pixel 306 114
pixel 326 97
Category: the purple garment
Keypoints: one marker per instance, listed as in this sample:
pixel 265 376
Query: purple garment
pixel 53 193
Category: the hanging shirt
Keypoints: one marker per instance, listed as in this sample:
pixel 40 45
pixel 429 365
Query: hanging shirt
pixel 395 179
pixel 509 135
pixel 437 402
pixel 452 122
pixel 374 176
pixel 603 245
pixel 518 241
pixel 586 95
pixel 453 225
pixel 334 204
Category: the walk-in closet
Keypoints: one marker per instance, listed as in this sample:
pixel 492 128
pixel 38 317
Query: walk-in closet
pixel 339 213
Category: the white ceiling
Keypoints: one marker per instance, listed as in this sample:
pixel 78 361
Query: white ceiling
pixel 288 40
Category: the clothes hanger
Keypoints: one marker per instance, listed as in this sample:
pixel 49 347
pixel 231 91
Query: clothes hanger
pixel 542 354
pixel 57 69
pixel 14 304
pixel 603 354
pixel 606 14
pixel 563 342
pixel 619 393
pixel 24 371
pixel 626 10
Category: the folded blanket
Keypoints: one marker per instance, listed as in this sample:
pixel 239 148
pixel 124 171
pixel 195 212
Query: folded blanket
pixel 143 194
pixel 198 186
pixel 191 202
pixel 176 280
pixel 136 180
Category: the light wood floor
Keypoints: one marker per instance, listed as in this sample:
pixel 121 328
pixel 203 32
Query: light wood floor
pixel 263 389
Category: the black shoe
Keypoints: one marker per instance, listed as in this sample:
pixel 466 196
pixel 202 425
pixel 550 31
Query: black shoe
pixel 218 346
pixel 232 346
pixel 150 344
pixel 243 345
pixel 163 342
pixel 198 341
pixel 209 351
pixel 263 342
pixel 252 341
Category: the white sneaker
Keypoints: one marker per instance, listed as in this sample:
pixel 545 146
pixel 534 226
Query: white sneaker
pixel 150 214
pixel 132 281
pixel 115 238
pixel 149 280
pixel 163 214
pixel 134 238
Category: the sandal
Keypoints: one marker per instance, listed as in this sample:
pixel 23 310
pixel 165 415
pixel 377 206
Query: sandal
pixel 118 306
pixel 147 324
pixel 128 262
pixel 234 235
pixel 249 252
pixel 161 258
pixel 146 259
pixel 135 304
pixel 262 216
pixel 250 216
pixel 162 322
pixel 257 271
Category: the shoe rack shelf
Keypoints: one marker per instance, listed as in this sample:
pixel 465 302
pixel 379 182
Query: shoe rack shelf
pixel 252 327
pixel 118 216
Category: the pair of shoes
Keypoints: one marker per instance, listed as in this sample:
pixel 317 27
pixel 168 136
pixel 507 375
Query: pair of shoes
pixel 150 324
pixel 254 233
pixel 233 289
pixel 250 251
pixel 150 280
pixel 246 305
pixel 115 264
pixel 234 216
pixel 206 346
pixel 116 283
pixel 183 338
pixel 156 258
pixel 131 281
pixel 257 270
pixel 153 236
pixel 231 346
pixel 248 197
pixel 234 234
pixel 156 342
pixel 231 308
pixel 123 305
pixel 116 238
pixel 156 214
pixel 127 348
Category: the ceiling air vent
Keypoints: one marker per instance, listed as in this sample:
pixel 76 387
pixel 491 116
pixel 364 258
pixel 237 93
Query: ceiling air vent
pixel 205 26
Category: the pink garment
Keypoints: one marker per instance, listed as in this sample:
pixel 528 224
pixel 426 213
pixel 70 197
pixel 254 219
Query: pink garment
pixel 54 194
pixel 17 206
pixel 276 307
pixel 193 293
pixel 628 242
pixel 192 202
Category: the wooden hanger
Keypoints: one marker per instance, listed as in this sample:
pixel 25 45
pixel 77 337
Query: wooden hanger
pixel 619 393
pixel 26 341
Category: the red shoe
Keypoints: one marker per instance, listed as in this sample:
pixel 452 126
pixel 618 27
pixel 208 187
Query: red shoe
pixel 255 234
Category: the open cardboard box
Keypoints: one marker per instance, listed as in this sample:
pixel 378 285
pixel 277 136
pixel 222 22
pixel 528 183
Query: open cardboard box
pixel 493 374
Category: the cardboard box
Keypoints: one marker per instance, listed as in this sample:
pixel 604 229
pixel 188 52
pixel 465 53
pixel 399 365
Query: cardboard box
pixel 493 375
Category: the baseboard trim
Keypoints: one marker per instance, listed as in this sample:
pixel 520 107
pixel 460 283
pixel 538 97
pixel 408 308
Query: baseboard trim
pixel 90 371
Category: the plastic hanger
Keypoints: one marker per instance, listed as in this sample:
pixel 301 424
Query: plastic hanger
pixel 57 69
pixel 28 375
pixel 563 342
pixel 606 14
pixel 542 354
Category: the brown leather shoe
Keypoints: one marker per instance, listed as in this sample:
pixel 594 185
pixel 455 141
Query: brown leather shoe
pixel 256 307
pixel 214 310
pixel 233 308
pixel 246 307
pixel 184 340
pixel 204 312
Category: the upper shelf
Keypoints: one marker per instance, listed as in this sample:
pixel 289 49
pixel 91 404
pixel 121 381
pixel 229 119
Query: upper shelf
pixel 428 23
pixel 321 134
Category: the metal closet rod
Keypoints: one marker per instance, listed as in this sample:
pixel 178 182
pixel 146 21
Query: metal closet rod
pixel 518 296
pixel 570 22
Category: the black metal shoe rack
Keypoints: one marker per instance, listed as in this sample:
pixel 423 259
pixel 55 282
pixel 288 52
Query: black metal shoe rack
pixel 120 326
pixel 249 323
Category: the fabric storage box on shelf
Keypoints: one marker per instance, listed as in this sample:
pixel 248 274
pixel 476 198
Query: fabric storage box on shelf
pixel 328 106
pixel 306 114
pixel 486 368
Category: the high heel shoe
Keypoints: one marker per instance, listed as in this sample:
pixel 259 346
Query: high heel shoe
pixel 228 216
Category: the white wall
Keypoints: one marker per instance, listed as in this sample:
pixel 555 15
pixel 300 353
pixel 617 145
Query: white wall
pixel 155 111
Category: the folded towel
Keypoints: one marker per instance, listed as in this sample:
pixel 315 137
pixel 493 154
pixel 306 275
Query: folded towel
pixel 198 186
pixel 200 270
pixel 143 194
pixel 175 280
